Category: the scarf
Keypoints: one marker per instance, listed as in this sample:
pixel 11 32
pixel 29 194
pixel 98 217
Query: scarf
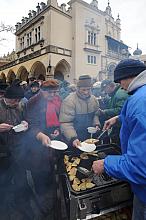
pixel 52 113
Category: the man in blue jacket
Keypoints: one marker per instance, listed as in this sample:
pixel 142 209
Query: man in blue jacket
pixel 131 165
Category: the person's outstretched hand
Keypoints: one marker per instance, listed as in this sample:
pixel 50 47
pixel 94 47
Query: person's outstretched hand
pixel 109 123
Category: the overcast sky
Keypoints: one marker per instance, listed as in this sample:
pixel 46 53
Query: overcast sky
pixel 132 14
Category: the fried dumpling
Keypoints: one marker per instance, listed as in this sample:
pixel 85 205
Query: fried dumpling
pixel 73 171
pixel 83 186
pixel 89 185
pixel 76 181
pixel 66 159
pixel 71 177
pixel 91 141
pixel 84 156
pixel 76 187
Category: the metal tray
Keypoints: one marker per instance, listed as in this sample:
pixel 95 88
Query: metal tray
pixel 103 151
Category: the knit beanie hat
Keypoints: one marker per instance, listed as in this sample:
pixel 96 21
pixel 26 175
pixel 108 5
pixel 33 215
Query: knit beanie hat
pixel 50 84
pixel 84 81
pixel 128 68
pixel 35 84
pixel 14 91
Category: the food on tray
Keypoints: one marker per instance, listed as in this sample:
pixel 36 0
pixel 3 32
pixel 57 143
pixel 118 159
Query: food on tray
pixel 68 166
pixel 76 162
pixel 71 177
pixel 76 181
pixel 93 153
pixel 66 159
pixel 76 187
pixel 73 158
pixel 83 186
pixel 71 163
pixel 88 180
pixel 84 156
pixel 73 171
pixel 89 185
pixel 86 184
pixel 91 141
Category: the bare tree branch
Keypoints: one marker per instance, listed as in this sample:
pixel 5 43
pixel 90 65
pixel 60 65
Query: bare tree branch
pixel 7 28
pixel 2 39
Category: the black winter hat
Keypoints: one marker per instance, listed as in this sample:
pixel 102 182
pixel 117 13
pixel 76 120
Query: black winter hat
pixel 14 91
pixel 128 68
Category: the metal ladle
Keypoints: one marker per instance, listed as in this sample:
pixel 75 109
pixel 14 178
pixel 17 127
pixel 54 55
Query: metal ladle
pixel 99 137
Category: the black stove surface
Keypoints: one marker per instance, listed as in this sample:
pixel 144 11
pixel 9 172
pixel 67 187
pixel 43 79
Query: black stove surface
pixel 99 181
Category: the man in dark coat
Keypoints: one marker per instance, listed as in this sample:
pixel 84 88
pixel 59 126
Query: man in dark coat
pixel 14 191
pixel 42 114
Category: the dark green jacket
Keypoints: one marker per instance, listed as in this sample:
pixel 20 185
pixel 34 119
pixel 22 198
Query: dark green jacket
pixel 116 102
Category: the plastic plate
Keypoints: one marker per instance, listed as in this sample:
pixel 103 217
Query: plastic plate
pixel 58 145
pixel 87 147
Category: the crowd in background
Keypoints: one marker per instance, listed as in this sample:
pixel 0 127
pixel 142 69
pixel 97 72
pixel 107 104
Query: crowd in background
pixel 49 110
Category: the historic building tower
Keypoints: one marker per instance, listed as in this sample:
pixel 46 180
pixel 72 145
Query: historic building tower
pixel 60 42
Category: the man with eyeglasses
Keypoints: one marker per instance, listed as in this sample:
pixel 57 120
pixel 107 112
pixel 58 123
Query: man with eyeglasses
pixel 78 112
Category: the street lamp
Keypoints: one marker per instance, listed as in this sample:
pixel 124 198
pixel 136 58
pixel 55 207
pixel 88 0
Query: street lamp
pixel 49 68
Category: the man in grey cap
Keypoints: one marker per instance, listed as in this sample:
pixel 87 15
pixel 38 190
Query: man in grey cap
pixel 78 111
pixel 131 165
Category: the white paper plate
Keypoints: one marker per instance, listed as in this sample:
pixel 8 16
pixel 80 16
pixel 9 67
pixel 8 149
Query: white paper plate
pixel 59 145
pixel 87 147
pixel 19 128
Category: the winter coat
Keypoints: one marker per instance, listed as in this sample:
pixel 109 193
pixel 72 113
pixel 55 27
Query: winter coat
pixel 76 115
pixel 116 102
pixel 131 165
pixel 10 140
pixel 29 94
pixel 36 113
pixel 40 156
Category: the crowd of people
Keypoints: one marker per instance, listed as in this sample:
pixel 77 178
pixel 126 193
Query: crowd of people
pixel 54 110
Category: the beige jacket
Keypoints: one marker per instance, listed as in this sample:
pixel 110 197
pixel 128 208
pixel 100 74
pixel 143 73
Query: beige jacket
pixel 77 114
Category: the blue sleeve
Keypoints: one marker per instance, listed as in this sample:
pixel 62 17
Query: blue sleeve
pixel 132 165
